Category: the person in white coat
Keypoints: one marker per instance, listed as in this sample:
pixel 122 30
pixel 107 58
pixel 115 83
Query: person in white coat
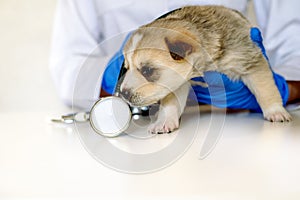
pixel 80 26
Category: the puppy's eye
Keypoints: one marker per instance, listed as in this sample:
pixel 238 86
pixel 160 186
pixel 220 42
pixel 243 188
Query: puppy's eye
pixel 147 71
pixel 150 73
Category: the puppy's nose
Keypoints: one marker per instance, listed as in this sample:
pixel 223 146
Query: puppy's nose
pixel 126 93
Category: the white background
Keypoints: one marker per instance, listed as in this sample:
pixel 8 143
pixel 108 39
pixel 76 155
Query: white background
pixel 254 159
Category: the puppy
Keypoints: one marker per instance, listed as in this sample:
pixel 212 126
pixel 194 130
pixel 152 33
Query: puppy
pixel 162 56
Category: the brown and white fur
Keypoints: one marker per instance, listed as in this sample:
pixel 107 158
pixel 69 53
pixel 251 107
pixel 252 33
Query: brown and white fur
pixel 162 56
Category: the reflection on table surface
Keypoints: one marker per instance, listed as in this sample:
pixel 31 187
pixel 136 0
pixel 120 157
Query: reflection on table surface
pixel 252 158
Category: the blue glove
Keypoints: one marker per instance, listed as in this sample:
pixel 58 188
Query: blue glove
pixel 222 92
pixel 111 73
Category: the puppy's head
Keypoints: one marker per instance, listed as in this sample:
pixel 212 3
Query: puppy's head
pixel 158 61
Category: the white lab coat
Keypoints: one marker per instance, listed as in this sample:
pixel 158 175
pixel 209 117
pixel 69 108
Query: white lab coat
pixel 80 25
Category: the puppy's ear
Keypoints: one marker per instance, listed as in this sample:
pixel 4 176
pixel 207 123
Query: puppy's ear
pixel 178 49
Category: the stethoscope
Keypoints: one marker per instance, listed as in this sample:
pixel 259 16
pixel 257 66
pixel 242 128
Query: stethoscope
pixel 109 116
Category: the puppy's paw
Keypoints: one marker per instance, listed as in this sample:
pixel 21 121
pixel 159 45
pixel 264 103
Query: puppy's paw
pixel 277 114
pixel 164 126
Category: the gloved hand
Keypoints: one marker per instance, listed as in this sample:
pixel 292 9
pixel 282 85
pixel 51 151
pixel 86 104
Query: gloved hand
pixel 222 92
pixel 111 73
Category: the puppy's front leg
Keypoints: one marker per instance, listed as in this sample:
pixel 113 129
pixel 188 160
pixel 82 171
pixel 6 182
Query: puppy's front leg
pixel 171 108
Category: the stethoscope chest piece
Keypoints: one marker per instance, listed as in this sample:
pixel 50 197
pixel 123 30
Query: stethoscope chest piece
pixel 110 116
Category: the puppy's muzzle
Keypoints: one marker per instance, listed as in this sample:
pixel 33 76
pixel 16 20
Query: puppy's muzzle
pixel 126 94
